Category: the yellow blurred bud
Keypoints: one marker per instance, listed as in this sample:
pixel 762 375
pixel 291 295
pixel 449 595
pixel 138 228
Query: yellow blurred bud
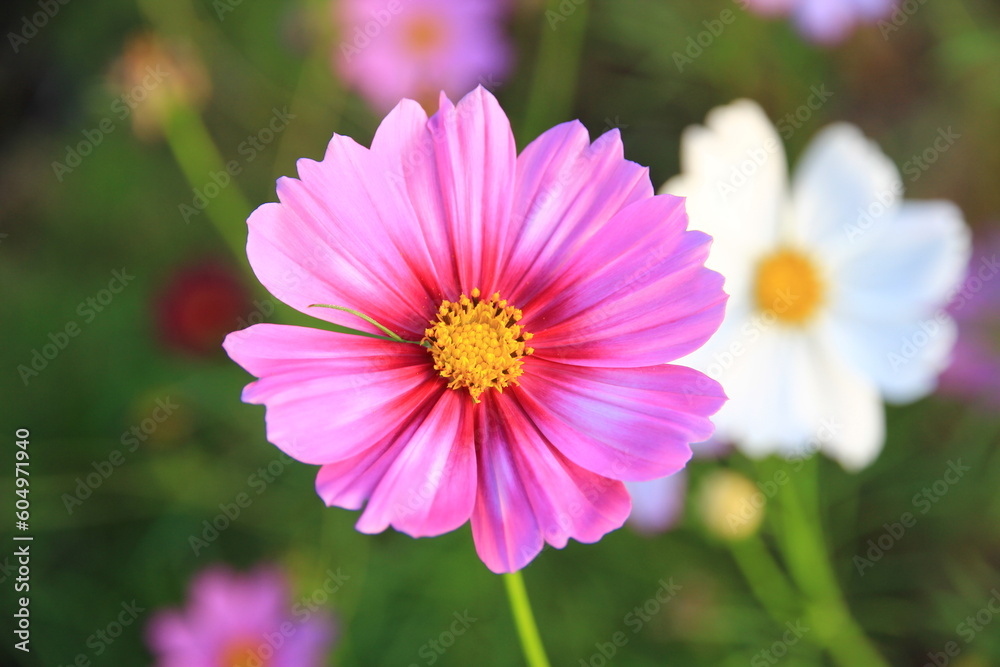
pixel 151 77
pixel 160 419
pixel 730 505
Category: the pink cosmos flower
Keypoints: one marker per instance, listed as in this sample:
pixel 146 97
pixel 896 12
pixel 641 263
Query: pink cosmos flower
pixel 974 373
pixel 240 620
pixel 391 49
pixel 825 21
pixel 543 295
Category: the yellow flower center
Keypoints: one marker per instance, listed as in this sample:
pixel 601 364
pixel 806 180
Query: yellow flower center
pixel 423 35
pixel 789 285
pixel 242 652
pixel 477 343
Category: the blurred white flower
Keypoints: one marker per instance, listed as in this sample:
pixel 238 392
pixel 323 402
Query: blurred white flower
pixel 836 285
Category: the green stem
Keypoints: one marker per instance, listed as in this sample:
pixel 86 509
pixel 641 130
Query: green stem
pixel 366 318
pixel 809 563
pixel 765 577
pixel 520 607
pixel 198 157
pixel 553 85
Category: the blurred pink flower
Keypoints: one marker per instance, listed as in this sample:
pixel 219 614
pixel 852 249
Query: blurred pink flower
pixel 531 443
pixel 975 368
pixel 825 21
pixel 657 505
pixel 391 49
pixel 240 620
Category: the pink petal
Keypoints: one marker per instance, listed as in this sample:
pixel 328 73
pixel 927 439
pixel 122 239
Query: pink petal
pixel 637 293
pixel 504 528
pixel 566 190
pixel 341 236
pixel 173 640
pixel 330 396
pixel 459 176
pixel 430 485
pixel 631 424
pixel 406 145
pixel 310 644
pixel 529 493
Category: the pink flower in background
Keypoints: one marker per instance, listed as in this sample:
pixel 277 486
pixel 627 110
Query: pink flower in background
pixel 825 21
pixel 657 505
pixel 240 620
pixel 391 49
pixel 975 368
pixel 543 295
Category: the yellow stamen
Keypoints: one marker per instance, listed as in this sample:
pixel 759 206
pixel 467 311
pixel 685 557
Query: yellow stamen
pixel 789 285
pixel 424 35
pixel 243 653
pixel 477 344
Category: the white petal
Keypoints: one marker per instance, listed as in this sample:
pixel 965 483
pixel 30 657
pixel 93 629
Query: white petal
pixel 887 303
pixel 843 186
pixel 903 359
pixel 910 264
pixel 790 393
pixel 734 175
pixel 849 424
pixel 756 369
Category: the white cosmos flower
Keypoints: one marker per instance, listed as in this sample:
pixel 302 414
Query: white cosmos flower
pixel 836 285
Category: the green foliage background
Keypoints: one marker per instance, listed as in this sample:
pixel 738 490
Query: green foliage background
pixel 609 64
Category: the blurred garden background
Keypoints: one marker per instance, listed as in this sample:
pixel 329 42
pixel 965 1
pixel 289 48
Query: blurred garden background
pixel 138 136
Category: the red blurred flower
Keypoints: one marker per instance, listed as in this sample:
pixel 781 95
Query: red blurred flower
pixel 199 305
